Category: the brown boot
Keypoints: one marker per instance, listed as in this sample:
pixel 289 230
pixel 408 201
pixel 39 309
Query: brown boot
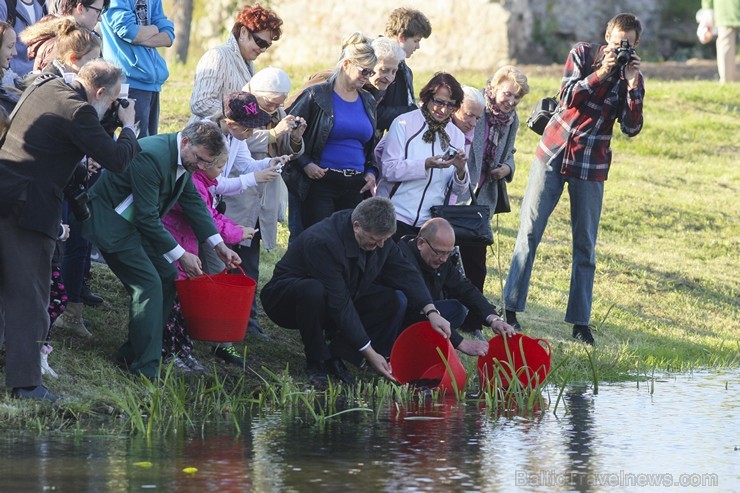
pixel 71 320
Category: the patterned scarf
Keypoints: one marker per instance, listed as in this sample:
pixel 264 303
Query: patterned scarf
pixel 435 127
pixel 497 121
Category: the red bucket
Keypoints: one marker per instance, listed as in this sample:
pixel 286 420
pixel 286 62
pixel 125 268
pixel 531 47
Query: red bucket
pixel 524 356
pixel 216 307
pixel 415 360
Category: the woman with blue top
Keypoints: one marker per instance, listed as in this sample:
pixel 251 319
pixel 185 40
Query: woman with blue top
pixel 338 157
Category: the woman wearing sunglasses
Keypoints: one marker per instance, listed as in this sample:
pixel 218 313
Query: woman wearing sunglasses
pixel 423 154
pixel 228 67
pixel 338 158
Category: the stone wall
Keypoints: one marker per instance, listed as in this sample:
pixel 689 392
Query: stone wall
pixel 466 34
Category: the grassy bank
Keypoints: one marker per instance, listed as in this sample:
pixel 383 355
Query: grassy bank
pixel 666 291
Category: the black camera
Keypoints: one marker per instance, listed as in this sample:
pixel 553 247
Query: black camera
pixel 450 153
pixel 110 120
pixel 75 193
pixel 624 53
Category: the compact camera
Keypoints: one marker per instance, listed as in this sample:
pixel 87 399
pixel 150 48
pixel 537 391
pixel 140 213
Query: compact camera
pixel 624 53
pixel 296 123
pixel 75 193
pixel 450 153
pixel 110 120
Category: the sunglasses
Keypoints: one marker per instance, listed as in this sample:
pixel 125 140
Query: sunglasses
pixel 439 103
pixel 365 72
pixel 262 44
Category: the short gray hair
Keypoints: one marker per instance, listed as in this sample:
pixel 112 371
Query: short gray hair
pixel 376 215
pixel 207 134
pixel 474 95
pixel 98 73
pixel 386 48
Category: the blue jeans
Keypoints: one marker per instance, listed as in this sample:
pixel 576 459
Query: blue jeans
pixel 295 223
pixel 147 111
pixel 544 188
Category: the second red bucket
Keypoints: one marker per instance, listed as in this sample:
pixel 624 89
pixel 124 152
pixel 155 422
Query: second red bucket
pixel 216 307
pixel 520 355
pixel 415 359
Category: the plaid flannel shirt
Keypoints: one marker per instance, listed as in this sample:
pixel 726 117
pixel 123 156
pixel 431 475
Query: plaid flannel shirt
pixel 588 109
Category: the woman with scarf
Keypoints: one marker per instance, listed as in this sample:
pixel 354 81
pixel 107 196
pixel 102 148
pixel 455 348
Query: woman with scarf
pixel 423 154
pixel 491 160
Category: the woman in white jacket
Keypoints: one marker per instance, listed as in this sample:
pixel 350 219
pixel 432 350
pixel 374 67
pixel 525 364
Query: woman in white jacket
pixel 423 155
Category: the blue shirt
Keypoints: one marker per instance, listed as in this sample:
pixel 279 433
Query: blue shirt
pixel 345 148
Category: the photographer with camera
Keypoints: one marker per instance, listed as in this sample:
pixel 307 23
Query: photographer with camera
pixel 54 125
pixel 575 149
pixel 423 154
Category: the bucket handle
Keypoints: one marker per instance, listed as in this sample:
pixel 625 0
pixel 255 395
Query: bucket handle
pixel 210 276
pixel 545 345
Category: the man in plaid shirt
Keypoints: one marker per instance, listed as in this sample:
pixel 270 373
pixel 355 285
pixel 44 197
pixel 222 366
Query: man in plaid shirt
pixel 575 149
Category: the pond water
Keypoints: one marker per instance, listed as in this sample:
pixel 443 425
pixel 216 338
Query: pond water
pixel 684 435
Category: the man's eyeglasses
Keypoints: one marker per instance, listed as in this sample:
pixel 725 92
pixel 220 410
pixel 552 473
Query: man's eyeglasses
pixel 437 252
pixel 365 72
pixel 99 11
pixel 207 162
pixel 262 44
pixel 440 103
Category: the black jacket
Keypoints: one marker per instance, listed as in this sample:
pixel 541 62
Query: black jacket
pixel 445 283
pixel 328 252
pixel 396 99
pixel 316 106
pixel 52 130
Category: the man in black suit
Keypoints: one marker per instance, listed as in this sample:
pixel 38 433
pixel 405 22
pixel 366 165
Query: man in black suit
pixel 56 124
pixel 338 281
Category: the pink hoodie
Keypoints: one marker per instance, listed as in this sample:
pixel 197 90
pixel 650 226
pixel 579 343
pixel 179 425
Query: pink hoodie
pixel 178 226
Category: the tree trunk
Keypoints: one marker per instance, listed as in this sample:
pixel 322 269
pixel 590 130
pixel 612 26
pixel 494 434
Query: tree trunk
pixel 182 16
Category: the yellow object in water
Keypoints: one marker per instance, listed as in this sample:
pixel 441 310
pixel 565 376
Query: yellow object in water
pixel 143 464
pixel 190 470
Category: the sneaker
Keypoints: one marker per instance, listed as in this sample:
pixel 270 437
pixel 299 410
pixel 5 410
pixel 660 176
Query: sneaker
pixel 583 333
pixel 316 374
pixel 193 363
pixel 511 320
pixel 39 392
pixel 230 355
pixel 336 368
pixel 178 363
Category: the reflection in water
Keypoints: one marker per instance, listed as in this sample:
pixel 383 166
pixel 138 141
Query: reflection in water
pixel 685 433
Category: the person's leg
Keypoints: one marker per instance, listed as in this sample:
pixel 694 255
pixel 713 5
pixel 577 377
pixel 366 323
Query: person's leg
pixel 320 200
pixel 349 192
pixel 543 191
pixel 403 229
pixel 300 305
pixel 586 198
pixel 25 283
pixel 154 114
pixel 142 109
pixel 726 45
pixel 453 311
pixel 474 261
pixel 143 347
pixel 295 223
pixel 250 256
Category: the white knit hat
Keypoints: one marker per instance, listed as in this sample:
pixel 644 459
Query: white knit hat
pixel 269 79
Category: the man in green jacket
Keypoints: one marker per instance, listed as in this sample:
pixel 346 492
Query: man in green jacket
pixel 125 224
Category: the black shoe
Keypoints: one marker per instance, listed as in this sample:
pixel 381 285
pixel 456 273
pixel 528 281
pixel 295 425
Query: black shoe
pixel 230 355
pixel 39 392
pixel 88 297
pixel 583 333
pixel 257 331
pixel 511 320
pixel 316 374
pixel 336 369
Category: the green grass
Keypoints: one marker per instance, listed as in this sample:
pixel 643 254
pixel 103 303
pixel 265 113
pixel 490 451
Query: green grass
pixel 665 296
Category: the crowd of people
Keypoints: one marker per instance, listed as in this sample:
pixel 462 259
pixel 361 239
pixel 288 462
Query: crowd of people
pixel 353 160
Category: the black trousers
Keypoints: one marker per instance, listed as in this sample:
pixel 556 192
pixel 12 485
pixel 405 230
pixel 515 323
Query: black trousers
pixel 334 192
pixel 302 305
pixel 474 262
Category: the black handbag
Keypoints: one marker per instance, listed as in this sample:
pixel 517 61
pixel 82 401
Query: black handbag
pixel 296 180
pixel 471 222
pixel 541 114
pixel 502 202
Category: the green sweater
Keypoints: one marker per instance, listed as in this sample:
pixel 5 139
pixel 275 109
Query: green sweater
pixel 726 12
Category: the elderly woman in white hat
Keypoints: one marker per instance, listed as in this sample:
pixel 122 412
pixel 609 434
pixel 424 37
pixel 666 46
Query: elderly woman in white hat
pixel 259 206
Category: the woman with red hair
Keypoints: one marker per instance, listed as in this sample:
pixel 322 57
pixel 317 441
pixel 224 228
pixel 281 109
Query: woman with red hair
pixel 228 67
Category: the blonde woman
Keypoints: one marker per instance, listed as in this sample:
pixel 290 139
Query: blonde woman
pixel 340 115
